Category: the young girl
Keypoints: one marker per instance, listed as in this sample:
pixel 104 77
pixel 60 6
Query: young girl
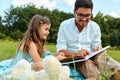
pixel 31 46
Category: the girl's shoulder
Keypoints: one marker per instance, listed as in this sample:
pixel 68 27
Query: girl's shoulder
pixel 33 45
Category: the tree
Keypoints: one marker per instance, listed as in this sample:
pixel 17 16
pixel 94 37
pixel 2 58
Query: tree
pixel 0 24
pixel 17 35
pixel 114 41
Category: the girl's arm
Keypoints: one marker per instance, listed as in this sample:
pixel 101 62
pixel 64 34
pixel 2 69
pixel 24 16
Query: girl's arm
pixel 35 57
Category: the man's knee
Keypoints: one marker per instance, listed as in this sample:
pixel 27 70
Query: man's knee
pixel 88 69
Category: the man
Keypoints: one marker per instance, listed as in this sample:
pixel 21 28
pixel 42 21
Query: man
pixel 79 36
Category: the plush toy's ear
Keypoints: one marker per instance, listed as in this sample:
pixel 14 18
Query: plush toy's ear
pixel 52 67
pixel 51 64
pixel 64 73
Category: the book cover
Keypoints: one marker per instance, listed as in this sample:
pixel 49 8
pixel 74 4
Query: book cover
pixel 74 60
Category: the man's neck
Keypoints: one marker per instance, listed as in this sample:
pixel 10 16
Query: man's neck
pixel 80 28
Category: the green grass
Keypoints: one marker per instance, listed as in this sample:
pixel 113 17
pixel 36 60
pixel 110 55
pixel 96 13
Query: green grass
pixel 115 54
pixel 51 47
pixel 8 49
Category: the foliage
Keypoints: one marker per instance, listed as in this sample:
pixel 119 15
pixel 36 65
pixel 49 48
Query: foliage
pixel 8 38
pixel 17 35
pixel 110 27
pixel 17 19
pixel 2 36
pixel 1 26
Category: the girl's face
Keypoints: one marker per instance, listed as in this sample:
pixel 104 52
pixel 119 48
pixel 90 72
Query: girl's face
pixel 44 31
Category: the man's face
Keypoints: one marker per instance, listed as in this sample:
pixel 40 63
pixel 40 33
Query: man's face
pixel 82 16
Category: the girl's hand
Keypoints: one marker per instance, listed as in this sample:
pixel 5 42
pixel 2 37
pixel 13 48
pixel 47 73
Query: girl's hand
pixel 37 66
pixel 61 56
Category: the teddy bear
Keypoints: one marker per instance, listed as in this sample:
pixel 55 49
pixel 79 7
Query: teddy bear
pixel 52 70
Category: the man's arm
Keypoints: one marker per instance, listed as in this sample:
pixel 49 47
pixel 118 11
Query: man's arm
pixel 96 43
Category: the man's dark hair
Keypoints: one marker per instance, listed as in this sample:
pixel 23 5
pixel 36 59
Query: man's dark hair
pixel 83 3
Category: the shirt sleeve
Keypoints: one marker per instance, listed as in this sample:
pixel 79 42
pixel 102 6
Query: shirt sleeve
pixel 61 41
pixel 97 38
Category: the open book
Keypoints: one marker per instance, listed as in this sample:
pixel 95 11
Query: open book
pixel 74 60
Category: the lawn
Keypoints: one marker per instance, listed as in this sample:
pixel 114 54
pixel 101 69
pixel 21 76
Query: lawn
pixel 115 54
pixel 8 49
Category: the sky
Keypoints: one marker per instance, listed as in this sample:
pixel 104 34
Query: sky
pixel 107 7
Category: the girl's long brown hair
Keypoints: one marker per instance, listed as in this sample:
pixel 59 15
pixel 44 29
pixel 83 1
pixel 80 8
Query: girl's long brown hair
pixel 33 35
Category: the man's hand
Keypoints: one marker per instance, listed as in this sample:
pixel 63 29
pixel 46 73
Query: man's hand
pixel 97 48
pixel 82 53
